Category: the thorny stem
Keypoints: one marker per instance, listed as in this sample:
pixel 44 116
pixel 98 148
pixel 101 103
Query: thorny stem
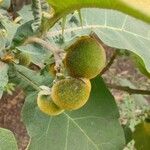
pixel 128 89
pixel 58 53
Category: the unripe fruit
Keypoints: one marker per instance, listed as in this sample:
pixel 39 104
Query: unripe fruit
pixel 47 106
pixel 71 93
pixel 85 58
pixel 147 126
pixel 24 59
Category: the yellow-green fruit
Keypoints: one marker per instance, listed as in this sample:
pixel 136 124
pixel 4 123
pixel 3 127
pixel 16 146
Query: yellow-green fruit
pixel 47 106
pixel 85 58
pixel 147 126
pixel 24 59
pixel 71 94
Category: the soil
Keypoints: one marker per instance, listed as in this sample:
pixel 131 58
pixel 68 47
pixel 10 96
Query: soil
pixel 10 117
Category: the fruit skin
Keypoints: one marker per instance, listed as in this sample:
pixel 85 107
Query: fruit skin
pixel 71 93
pixel 85 58
pixel 147 126
pixel 24 59
pixel 47 106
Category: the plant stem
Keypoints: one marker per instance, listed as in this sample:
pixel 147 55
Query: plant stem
pixel 45 44
pixel 128 89
pixel 109 63
pixel 58 53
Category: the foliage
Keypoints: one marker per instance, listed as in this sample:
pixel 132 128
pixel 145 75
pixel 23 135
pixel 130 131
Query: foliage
pixel 42 31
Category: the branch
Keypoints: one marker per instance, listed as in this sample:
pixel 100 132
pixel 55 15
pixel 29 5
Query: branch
pixel 109 63
pixel 128 89
pixel 58 53
pixel 43 43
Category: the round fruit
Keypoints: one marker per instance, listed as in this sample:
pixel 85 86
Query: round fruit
pixel 147 126
pixel 46 105
pixel 71 93
pixel 24 59
pixel 85 58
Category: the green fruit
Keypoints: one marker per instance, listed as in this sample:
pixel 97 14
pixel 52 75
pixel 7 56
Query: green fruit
pixel 85 58
pixel 47 106
pixel 24 59
pixel 140 64
pixel 71 94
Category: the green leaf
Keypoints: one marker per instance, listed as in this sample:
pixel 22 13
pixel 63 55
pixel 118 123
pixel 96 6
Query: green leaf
pixel 37 53
pixel 128 133
pixel 141 136
pixel 3 77
pixel 138 9
pixel 32 78
pixel 7 140
pixel 2 41
pixel 114 29
pixel 10 29
pixel 24 13
pixel 22 33
pixel 140 64
pixel 5 4
pixel 93 127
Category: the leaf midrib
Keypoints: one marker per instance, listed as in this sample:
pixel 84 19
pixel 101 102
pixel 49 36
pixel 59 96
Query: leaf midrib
pixel 77 125
pixel 55 33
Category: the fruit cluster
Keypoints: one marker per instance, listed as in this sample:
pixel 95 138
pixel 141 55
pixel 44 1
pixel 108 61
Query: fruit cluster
pixel 84 60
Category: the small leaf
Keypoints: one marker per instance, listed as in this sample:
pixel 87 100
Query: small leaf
pixel 3 77
pixel 141 136
pixel 7 140
pixel 93 127
pixel 22 33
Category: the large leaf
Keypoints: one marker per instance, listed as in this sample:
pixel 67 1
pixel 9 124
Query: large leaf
pixel 137 8
pixel 93 127
pixel 7 140
pixel 3 77
pixel 114 29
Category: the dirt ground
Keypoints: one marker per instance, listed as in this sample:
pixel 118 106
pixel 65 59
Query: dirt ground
pixel 10 106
